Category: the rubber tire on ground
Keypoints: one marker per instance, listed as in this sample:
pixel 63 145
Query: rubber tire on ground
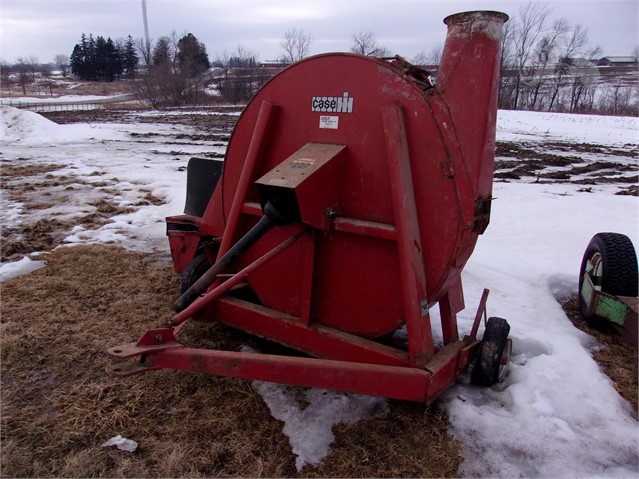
pixel 194 271
pixel 619 274
pixel 486 370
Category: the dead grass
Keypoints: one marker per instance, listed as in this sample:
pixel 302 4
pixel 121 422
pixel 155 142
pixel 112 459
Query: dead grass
pixel 150 199
pixel 68 86
pixel 43 235
pixel 107 208
pixel 48 233
pixel 410 442
pixel 20 171
pixel 58 405
pixel 617 358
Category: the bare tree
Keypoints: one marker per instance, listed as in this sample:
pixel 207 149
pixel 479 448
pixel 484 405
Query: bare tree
pixel 365 43
pixel 178 73
pixel 22 68
pixel 583 85
pixel 296 45
pixel 526 33
pixel 546 52
pixel 46 71
pixel 245 55
pixel 6 72
pixel 34 66
pixel 240 78
pixel 161 86
pixel 62 62
pixel 432 57
pixel 144 49
pixel 576 40
pixel 573 43
pixel 507 61
pixel 615 95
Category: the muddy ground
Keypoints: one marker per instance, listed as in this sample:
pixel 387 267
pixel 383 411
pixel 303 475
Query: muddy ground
pixel 58 406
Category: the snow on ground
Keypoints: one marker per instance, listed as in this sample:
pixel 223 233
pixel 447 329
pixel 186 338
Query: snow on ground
pixel 310 429
pixel 18 268
pixel 221 111
pixel 27 128
pixel 124 161
pixel 540 126
pixel 556 414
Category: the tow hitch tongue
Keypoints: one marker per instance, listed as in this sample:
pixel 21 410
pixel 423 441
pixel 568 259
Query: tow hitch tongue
pixel 352 195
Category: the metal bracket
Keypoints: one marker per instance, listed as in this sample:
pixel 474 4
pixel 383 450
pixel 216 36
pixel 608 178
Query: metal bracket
pixel 129 368
pixel 154 340
pixel 481 312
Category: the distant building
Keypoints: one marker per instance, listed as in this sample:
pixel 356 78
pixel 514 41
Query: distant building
pixel 273 64
pixel 578 62
pixel 622 67
pixel 621 61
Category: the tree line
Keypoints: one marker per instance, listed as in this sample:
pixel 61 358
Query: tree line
pixel 176 71
pixel 546 64
pixel 103 60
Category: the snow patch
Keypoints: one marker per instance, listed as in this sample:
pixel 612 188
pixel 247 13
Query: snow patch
pixel 310 430
pixel 29 128
pixel 556 414
pixel 532 125
pixel 19 268
pixel 122 443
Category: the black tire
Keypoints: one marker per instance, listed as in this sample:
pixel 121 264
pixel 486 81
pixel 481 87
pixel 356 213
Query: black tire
pixel 486 371
pixel 618 274
pixel 194 271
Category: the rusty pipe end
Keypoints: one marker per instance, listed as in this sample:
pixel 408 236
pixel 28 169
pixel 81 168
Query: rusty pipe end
pixel 478 18
pixel 481 29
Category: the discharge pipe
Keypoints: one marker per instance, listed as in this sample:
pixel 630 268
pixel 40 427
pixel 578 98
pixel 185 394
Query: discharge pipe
pixel 468 83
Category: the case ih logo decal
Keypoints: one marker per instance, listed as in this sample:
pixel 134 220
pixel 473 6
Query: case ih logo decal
pixel 333 104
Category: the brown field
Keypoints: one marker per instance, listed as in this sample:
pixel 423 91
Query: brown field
pixel 59 406
pixel 66 86
pixel 615 356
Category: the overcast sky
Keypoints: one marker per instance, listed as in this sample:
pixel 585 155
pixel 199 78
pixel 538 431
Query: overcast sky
pixel 408 27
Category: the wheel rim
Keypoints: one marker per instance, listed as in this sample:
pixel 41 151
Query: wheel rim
pixel 505 360
pixel 596 269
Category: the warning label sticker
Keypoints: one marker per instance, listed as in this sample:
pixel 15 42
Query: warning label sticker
pixel 329 122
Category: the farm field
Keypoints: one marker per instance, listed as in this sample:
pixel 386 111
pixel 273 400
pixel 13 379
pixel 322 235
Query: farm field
pixel 83 198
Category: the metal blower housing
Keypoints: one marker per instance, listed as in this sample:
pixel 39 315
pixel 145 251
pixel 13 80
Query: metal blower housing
pixel 381 183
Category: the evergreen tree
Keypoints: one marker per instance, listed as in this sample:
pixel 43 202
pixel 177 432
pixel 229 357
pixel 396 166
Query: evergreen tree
pixel 90 59
pixel 113 61
pixel 78 58
pixel 100 65
pixel 130 58
pixel 162 51
pixel 97 59
pixel 192 56
pixel 77 61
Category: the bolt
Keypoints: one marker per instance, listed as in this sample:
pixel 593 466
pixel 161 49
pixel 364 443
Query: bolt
pixel 332 212
pixel 159 339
